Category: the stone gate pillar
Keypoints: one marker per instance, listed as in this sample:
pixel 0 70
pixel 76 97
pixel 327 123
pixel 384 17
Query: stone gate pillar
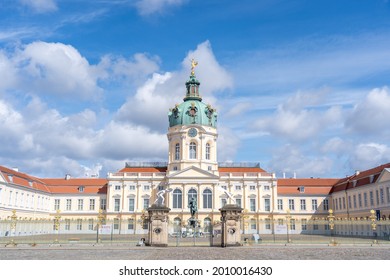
pixel 158 226
pixel 231 225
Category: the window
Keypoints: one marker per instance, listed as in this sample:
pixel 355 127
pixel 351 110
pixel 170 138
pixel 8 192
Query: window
pixel 192 194
pixel 267 204
pixel 314 205
pixel 238 202
pixel 80 205
pixel 343 202
pixel 0 195
pixel 266 187
pixel 131 204
pixel 304 224
pixel 252 188
pixel 117 187
pixel 292 224
pixel 223 202
pixel 177 151
pixel 146 187
pixel 301 189
pixel 92 204
pixel 116 223
pixel 371 198
pixel 291 205
pixel 267 223
pixel 377 197
pixel 146 203
pixel 326 204
pixel 145 224
pixel 303 204
pixel 337 204
pixel 90 224
pixel 252 204
pixel 253 224
pixel 117 203
pixel 130 224
pixel 382 195
pixel 177 199
pixel 238 188
pixel 207 225
pixel 103 204
pixel 280 204
pixel 207 199
pixel 354 201
pixel 207 151
pixel 68 204
pixel 349 202
pixel 79 224
pixel 175 168
pixel 280 222
pixel 388 193
pixel 315 227
pixel 327 227
pixel 360 200
pixel 67 224
pixel 192 150
pixel 132 187
pixel 16 198
pixel 365 199
pixel 56 204
pixel 81 189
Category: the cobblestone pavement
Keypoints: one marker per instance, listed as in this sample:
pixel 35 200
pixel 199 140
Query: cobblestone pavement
pixel 262 252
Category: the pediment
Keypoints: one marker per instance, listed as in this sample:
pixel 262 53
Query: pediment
pixel 384 176
pixel 193 173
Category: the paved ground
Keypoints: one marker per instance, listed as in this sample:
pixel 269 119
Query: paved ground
pixel 258 252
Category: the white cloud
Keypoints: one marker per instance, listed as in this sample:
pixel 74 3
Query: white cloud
pixel 371 115
pixel 40 6
pixel 290 159
pixel 294 121
pixel 368 155
pixel 151 103
pixel 148 7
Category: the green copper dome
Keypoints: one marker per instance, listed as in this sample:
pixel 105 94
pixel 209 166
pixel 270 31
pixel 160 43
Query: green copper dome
pixel 192 110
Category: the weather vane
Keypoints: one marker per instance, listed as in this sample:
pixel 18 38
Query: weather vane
pixel 193 65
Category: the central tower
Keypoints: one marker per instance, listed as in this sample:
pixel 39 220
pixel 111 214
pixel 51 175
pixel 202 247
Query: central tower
pixel 192 133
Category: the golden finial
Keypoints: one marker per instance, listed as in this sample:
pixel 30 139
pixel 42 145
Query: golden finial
pixel 193 65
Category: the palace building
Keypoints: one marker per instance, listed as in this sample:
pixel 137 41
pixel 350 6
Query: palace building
pixel 192 170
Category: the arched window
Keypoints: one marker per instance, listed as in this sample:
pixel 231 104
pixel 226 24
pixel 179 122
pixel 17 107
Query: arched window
pixel 177 151
pixel 192 194
pixel 207 199
pixel 207 151
pixel 207 225
pixel 177 199
pixel 192 150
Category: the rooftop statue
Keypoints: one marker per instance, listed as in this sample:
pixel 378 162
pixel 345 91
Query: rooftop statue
pixel 160 196
pixel 193 65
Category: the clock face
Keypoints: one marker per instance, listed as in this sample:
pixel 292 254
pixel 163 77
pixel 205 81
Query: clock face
pixel 192 132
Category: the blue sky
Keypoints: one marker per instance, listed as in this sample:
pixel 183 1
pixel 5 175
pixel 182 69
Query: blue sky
pixel 300 86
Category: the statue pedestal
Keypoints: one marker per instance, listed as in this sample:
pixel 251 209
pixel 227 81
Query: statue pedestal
pixel 231 225
pixel 158 226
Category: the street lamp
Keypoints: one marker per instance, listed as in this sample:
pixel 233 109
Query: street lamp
pixel 57 224
pixel 373 224
pixel 331 224
pixel 288 217
pixel 99 223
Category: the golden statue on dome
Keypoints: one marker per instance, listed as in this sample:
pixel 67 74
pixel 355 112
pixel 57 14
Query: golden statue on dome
pixel 193 65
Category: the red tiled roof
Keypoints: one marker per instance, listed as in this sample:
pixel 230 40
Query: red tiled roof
pixel 22 179
pixel 312 186
pixel 71 186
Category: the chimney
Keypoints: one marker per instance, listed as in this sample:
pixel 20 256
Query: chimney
pixel 67 176
pixel 295 175
pixel 357 172
pixel 284 175
pixel 15 169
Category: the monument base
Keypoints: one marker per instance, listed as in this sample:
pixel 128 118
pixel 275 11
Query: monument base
pixel 231 225
pixel 158 226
